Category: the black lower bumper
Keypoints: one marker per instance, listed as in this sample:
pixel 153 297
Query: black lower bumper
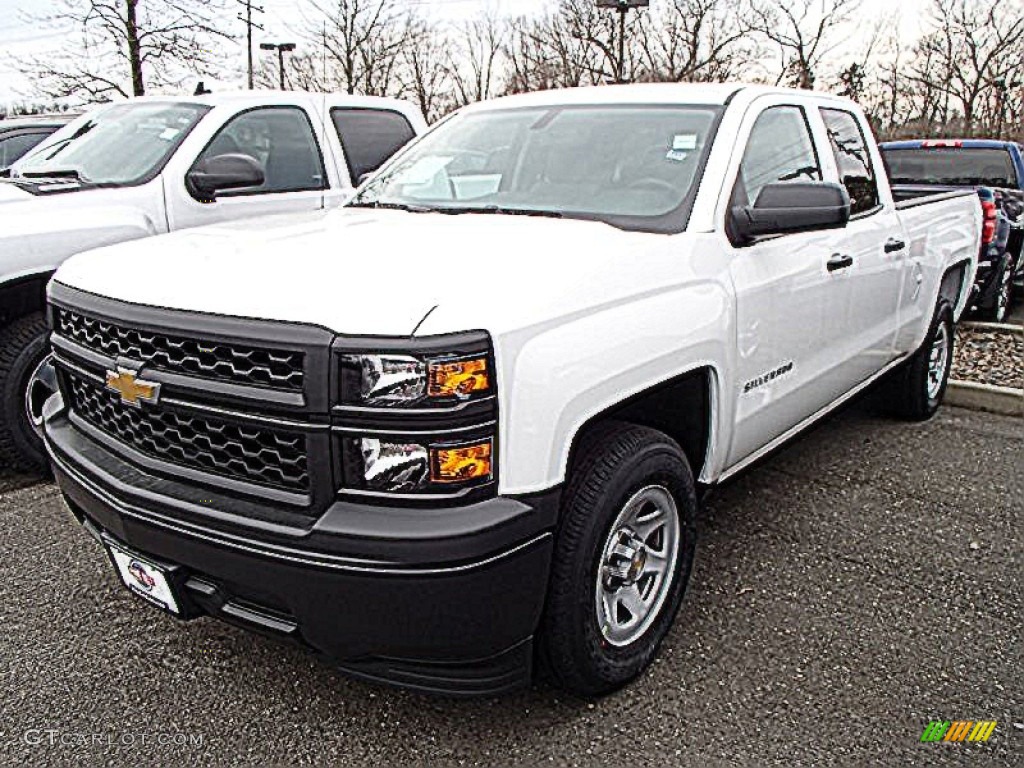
pixel 454 622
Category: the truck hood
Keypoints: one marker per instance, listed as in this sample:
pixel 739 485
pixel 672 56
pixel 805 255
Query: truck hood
pixel 43 223
pixel 377 272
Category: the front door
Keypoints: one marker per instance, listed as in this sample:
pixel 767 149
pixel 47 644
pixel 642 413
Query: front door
pixel 790 306
pixel 282 140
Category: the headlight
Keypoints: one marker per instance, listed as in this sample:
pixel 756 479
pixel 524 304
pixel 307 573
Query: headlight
pixel 416 419
pixel 404 380
pixel 390 466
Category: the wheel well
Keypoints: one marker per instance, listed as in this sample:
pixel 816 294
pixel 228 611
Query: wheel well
pixel 952 286
pixel 23 296
pixel 680 407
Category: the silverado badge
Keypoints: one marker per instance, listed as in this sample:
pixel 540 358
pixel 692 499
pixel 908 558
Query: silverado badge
pixel 133 391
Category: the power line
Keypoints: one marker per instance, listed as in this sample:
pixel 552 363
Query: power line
pixel 249 26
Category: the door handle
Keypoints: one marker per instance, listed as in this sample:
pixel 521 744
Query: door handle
pixel 839 261
pixel 895 246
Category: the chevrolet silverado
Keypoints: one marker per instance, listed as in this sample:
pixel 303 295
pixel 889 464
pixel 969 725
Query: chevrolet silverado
pixel 457 430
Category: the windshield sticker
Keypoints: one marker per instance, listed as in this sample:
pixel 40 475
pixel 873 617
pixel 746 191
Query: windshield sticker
pixel 684 142
pixel 169 133
pixel 423 170
pixel 677 155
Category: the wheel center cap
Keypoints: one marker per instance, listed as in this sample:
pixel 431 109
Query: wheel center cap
pixel 636 567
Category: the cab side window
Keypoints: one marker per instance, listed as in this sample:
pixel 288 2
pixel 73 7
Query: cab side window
pixel 370 137
pixel 780 149
pixel 853 160
pixel 281 140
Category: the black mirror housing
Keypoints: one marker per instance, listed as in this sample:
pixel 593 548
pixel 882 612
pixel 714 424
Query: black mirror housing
pixel 789 207
pixel 221 173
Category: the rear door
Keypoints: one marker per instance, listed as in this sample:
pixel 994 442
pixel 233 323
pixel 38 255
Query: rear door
pixel 790 308
pixel 874 241
pixel 369 136
pixel 283 139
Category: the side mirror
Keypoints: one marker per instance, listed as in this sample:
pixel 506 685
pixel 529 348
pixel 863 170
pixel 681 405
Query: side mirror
pixel 223 172
pixel 790 207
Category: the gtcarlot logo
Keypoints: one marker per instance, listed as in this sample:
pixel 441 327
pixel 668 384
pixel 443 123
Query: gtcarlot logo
pixel 959 730
pixel 55 737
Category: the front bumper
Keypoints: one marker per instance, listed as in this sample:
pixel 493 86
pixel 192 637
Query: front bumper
pixel 440 600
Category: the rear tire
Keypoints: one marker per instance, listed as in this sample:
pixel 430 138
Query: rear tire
pixel 627 533
pixel 1003 296
pixel 24 346
pixel 919 386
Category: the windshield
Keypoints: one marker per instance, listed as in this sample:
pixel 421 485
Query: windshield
pixel 121 145
pixel 635 167
pixel 951 166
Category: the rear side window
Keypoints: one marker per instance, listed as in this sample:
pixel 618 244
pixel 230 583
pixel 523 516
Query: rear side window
pixel 780 149
pixel 13 147
pixel 853 160
pixel 369 137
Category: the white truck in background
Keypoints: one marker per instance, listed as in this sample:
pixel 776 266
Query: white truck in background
pixel 157 164
pixel 461 431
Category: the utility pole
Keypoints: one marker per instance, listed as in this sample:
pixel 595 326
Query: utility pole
pixel 250 25
pixel 623 7
pixel 282 49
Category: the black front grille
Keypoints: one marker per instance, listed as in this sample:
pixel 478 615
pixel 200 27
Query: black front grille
pixel 233 362
pixel 254 454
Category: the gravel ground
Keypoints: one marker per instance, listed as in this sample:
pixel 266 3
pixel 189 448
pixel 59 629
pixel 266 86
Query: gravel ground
pixel 855 586
pixel 989 357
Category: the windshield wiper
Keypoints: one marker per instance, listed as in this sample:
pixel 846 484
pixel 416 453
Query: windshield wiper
pixel 392 206
pixel 56 173
pixel 499 210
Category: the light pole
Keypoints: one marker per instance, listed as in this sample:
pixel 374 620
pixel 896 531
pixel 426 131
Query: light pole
pixel 623 7
pixel 282 49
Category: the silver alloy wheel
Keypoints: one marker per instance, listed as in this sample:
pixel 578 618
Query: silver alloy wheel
pixel 637 565
pixel 41 384
pixel 937 361
pixel 1003 296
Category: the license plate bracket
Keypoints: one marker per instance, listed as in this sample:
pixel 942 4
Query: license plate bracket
pixel 143 576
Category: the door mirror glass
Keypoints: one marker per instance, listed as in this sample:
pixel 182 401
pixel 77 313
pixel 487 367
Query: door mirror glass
pixel 789 207
pixel 220 173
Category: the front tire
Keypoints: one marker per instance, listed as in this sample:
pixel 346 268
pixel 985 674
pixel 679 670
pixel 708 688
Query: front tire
pixel 622 560
pixel 920 384
pixel 25 383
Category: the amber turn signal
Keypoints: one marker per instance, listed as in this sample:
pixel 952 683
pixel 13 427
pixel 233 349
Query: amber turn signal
pixel 460 463
pixel 459 378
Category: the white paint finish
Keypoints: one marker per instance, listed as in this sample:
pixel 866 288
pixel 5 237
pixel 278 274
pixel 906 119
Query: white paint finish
pixel 39 232
pixel 584 315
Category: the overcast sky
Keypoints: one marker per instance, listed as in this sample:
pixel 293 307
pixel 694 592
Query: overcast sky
pixel 284 18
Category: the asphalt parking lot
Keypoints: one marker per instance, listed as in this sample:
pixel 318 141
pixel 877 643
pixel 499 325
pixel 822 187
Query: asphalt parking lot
pixel 855 586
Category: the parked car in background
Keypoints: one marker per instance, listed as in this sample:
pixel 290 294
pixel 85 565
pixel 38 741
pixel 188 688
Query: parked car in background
pixel 462 426
pixel 157 164
pixel 996 170
pixel 20 134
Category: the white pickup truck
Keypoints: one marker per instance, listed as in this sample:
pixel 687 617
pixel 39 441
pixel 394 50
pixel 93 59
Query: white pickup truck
pixel 157 164
pixel 462 425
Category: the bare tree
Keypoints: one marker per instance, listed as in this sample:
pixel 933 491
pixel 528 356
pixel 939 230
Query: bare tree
pixel 364 40
pixel 698 40
pixel 476 56
pixel 123 47
pixel 804 35
pixel 970 61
